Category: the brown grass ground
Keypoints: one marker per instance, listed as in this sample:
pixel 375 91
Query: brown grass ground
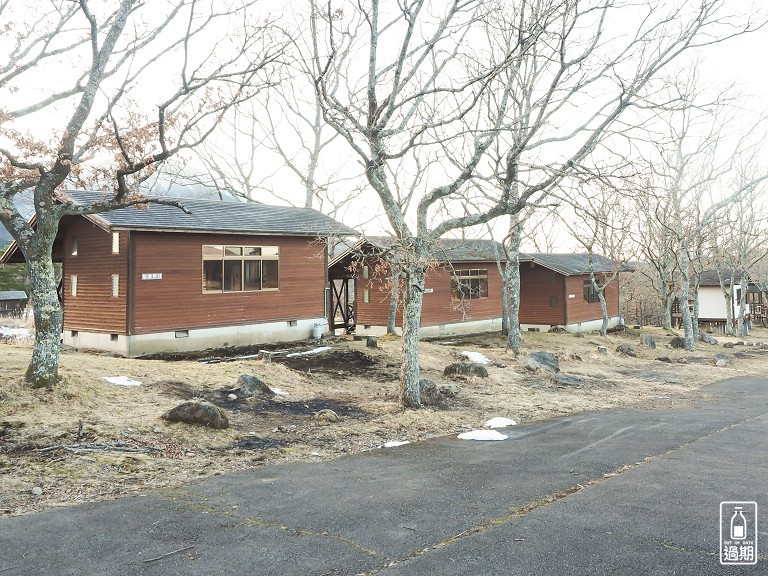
pixel 38 428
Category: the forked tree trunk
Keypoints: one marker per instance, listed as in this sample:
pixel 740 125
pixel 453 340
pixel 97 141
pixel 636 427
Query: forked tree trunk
pixel 43 370
pixel 409 371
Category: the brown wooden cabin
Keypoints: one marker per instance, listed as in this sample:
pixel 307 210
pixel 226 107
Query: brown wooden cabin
pixel 152 279
pixel 463 289
pixel 556 290
pixel 12 302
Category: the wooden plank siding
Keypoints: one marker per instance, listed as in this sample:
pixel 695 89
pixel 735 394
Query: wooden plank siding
pixel 438 308
pixel 579 310
pixel 93 308
pixel 542 295
pixel 177 301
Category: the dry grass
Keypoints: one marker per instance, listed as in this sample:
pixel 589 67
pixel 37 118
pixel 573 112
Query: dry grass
pixel 359 383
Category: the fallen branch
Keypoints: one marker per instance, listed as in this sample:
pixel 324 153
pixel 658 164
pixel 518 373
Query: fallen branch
pixel 168 554
pixel 91 447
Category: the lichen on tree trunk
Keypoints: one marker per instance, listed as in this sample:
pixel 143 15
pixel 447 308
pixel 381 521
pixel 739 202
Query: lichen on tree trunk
pixel 409 371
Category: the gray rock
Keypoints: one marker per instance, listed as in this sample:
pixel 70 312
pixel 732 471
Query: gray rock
pixel 251 386
pixel 722 359
pixel 327 415
pixel 739 343
pixel 449 390
pixel 677 342
pixel 542 361
pixel 466 369
pixel 577 357
pixel 647 341
pixel 568 380
pixel 729 345
pixel 707 338
pixel 37 491
pixel 198 412
pixel 627 350
pixel 666 359
pixel 430 394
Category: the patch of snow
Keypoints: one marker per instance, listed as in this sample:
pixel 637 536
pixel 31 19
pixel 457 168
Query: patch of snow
pixel 482 435
pixel 476 357
pixel 122 381
pixel 395 443
pixel 314 453
pixel 279 392
pixel 8 333
pixel 500 422
pixel 308 352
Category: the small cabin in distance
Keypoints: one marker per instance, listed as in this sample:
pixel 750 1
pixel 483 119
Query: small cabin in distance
pixel 13 302
pixel 151 279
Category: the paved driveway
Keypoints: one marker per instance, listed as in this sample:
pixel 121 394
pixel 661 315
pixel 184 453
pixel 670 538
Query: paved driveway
pixel 618 492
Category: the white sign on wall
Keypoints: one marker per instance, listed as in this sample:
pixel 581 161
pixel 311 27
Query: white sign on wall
pixel 428 290
pixel 153 276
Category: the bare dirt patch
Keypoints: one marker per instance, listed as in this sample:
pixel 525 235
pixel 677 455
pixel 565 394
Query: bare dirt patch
pixel 90 440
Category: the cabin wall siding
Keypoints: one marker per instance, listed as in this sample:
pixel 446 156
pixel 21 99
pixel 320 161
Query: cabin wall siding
pixel 579 310
pixel 177 300
pixel 538 286
pixel 94 308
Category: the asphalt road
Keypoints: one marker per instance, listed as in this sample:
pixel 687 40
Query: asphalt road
pixel 625 492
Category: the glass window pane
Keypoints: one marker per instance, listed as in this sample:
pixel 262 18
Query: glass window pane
pixel 216 251
pixel 212 275
pixel 233 251
pixel 269 250
pixel 269 274
pixel 252 251
pixel 252 275
pixel 233 271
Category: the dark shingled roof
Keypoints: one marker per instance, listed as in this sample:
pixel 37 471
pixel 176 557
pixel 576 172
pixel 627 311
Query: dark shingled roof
pixel 13 295
pixel 444 250
pixel 215 216
pixel 571 264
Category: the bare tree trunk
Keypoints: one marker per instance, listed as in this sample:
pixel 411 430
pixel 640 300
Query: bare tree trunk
pixel 43 370
pixel 695 319
pixel 743 328
pixel 514 336
pixel 685 291
pixel 666 321
pixel 604 310
pixel 394 299
pixel 409 372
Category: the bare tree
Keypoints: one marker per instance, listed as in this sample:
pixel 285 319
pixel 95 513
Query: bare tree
pixel 97 95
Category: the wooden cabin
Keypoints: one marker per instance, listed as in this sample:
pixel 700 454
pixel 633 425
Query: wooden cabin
pixel 463 289
pixel 12 302
pixel 556 290
pixel 151 279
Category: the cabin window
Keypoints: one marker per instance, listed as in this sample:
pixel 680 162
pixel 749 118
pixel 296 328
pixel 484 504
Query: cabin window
pixel 115 285
pixel 240 268
pixel 73 285
pixel 74 247
pixel 590 294
pixel 115 242
pixel 469 284
pixel 365 272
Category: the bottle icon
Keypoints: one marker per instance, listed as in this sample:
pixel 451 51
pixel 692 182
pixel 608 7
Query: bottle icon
pixel 738 525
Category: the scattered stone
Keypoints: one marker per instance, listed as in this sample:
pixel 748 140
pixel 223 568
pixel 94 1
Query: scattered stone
pixel 327 415
pixel 157 430
pixel 541 361
pixel 707 338
pixel 232 397
pixel 449 390
pixel 729 345
pixel 430 395
pixel 595 343
pixel 466 369
pixel 37 491
pixel 250 386
pixel 677 342
pixel 558 329
pixel 722 360
pixel 627 350
pixel 568 380
pixel 739 343
pixel 647 341
pixel 198 412
pixel 602 350
pixel 370 342
pixel 666 359
pixel 577 357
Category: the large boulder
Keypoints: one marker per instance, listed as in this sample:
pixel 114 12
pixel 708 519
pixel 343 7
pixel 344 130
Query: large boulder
pixel 251 386
pixel 722 360
pixel 647 341
pixel 541 361
pixel 707 338
pixel 466 369
pixel 568 380
pixel 430 394
pixel 198 412
pixel 449 390
pixel 627 350
pixel 677 342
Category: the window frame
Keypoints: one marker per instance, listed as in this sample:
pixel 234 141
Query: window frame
pixel 228 255
pixel 590 293
pixel 463 291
